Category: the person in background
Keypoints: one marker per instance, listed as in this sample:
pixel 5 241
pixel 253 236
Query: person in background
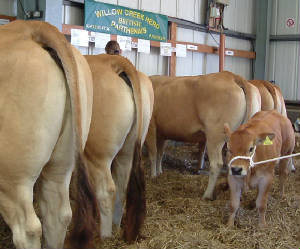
pixel 113 47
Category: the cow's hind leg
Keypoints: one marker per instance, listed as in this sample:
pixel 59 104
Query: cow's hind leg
pixel 202 151
pixel 100 172
pixel 214 150
pixel 284 165
pixel 17 210
pixel 53 191
pixel 121 169
pixel 152 148
pixel 160 145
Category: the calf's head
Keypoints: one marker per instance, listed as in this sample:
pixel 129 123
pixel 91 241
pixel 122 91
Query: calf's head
pixel 242 143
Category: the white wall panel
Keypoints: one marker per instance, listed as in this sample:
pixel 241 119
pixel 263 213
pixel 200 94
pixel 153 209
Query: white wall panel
pixel 284 68
pixel 198 63
pixel 134 4
pixel 150 5
pixel 238 16
pixel 185 35
pixel 212 63
pixel 8 7
pixel 281 11
pixel 186 9
pixel 110 1
pixel 152 63
pixel 184 65
pixel 169 7
pixel 199 37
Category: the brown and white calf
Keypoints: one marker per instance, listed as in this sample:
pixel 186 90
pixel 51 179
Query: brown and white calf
pixel 266 135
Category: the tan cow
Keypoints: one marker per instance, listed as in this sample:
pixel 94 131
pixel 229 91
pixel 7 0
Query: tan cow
pixel 266 135
pixel 267 102
pixel 271 96
pixel 187 108
pixel 45 113
pixel 122 108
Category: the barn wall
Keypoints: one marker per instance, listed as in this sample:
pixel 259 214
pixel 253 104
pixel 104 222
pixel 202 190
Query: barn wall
pixel 283 65
pixel 238 17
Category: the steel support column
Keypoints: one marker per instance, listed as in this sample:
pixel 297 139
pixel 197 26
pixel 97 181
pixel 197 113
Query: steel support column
pixel 263 10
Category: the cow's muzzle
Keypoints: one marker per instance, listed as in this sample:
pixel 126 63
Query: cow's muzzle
pixel 237 171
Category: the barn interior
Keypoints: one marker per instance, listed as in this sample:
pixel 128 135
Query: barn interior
pixel 257 39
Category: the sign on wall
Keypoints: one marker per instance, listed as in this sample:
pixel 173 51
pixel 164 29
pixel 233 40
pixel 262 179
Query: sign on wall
pixel 115 19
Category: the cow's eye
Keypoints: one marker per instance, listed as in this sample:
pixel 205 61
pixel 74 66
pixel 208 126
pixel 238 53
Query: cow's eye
pixel 251 149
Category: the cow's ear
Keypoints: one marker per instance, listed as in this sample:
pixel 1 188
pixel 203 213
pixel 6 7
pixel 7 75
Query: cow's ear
pixel 265 139
pixel 227 132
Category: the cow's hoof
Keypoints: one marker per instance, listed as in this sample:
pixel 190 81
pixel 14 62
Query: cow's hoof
pixel 208 197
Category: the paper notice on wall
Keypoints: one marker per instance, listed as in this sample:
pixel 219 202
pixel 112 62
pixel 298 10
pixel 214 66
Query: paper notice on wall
pixel 165 49
pixel 180 50
pixel 79 37
pixel 229 52
pixel 101 40
pixel 124 42
pixel 144 46
pixel 192 47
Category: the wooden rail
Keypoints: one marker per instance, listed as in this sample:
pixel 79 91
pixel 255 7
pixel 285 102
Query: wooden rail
pixel 10 18
pixel 201 48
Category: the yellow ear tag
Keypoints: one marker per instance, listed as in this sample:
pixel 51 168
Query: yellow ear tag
pixel 268 141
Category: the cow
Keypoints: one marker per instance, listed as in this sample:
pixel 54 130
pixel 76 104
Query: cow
pixel 45 113
pixel 122 108
pixel 267 135
pixel 189 108
pixel 267 102
pixel 271 96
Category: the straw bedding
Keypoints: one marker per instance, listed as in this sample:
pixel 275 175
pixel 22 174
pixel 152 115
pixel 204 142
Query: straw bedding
pixel 178 218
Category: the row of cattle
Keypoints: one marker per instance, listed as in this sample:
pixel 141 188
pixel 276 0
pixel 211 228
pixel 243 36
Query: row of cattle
pixel 61 113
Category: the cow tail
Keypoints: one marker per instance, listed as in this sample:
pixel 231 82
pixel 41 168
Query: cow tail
pixel 86 212
pixel 272 91
pixel 60 49
pixel 247 91
pixel 136 197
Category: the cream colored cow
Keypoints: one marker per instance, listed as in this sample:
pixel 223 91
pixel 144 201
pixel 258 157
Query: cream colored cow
pixel 187 108
pixel 271 96
pixel 122 109
pixel 45 113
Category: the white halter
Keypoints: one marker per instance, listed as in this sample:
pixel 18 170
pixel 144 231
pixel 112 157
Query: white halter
pixel 252 164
